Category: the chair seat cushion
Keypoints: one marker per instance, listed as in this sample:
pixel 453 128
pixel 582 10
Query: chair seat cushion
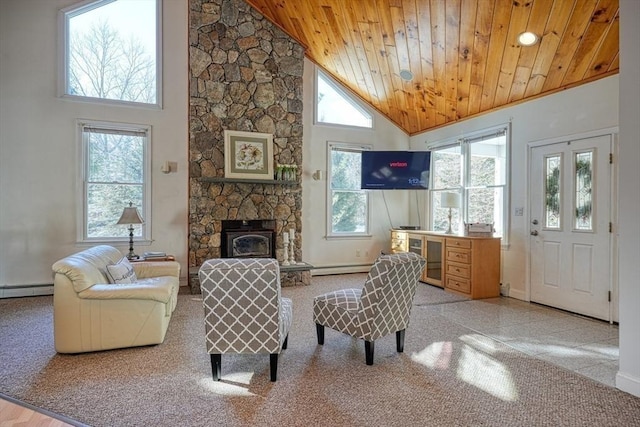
pixel 338 310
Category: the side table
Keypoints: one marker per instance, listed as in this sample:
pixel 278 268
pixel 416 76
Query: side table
pixel 152 259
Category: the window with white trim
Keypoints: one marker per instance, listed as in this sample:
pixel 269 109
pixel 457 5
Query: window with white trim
pixel 111 51
pixel 335 106
pixel 348 205
pixel 115 172
pixel 476 168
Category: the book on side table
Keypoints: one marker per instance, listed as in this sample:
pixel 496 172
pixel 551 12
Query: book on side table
pixel 155 256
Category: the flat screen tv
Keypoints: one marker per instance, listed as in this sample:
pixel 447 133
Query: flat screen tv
pixel 395 170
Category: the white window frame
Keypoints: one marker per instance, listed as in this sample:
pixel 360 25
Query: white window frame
pixel 63 56
pixel 82 183
pixel 330 234
pixel 336 86
pixel 465 148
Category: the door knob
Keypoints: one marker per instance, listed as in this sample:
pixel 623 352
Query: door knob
pixel 534 233
pixel 534 222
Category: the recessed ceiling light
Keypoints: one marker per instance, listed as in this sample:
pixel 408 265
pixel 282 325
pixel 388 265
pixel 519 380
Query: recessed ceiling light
pixel 406 75
pixel 527 38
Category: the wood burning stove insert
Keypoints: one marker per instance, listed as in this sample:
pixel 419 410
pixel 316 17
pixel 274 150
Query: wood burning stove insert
pixel 248 239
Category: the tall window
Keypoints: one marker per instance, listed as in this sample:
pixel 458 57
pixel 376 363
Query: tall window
pixel 475 167
pixel 334 106
pixel 348 205
pixel 112 51
pixel 115 172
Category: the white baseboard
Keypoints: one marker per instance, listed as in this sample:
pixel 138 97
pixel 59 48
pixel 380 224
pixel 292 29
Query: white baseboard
pixel 514 293
pixel 628 383
pixel 15 291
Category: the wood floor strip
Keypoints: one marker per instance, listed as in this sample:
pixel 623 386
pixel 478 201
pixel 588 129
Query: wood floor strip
pixel 14 413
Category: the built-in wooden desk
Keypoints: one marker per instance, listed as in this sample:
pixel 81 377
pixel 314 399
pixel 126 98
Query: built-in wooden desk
pixel 467 265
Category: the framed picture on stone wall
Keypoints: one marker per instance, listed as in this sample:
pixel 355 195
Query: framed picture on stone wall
pixel 248 155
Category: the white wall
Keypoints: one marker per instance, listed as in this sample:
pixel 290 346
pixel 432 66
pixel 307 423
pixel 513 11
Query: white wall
pixel 589 107
pixel 316 248
pixel 38 146
pixel 628 378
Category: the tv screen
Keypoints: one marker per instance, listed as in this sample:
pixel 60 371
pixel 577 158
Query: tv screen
pixel 395 170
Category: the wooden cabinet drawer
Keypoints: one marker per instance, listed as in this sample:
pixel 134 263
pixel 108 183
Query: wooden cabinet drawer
pixel 459 270
pixel 459 243
pixel 459 255
pixel 461 285
pixel 398 245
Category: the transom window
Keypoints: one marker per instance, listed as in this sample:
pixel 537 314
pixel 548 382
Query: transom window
pixel 476 168
pixel 348 205
pixel 115 172
pixel 334 106
pixel 111 51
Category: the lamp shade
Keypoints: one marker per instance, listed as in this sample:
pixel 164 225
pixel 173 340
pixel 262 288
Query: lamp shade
pixel 450 200
pixel 130 215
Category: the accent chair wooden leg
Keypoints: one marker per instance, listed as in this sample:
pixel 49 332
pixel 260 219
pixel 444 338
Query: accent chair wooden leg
pixel 320 333
pixel 216 362
pixel 285 343
pixel 368 351
pixel 400 341
pixel 273 364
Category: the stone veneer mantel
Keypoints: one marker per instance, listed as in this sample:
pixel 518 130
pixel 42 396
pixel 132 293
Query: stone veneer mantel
pixel 245 74
pixel 250 181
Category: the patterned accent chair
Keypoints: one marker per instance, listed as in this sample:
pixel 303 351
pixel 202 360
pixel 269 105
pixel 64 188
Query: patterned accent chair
pixel 380 308
pixel 243 309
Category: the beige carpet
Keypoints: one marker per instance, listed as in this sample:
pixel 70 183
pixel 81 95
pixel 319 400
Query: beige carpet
pixel 447 376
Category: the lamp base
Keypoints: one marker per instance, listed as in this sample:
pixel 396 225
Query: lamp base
pixel 131 254
pixel 449 231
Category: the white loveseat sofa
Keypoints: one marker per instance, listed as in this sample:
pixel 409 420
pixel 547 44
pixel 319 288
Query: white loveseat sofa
pixel 91 314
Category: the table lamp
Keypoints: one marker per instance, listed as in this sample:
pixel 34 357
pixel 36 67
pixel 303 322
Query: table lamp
pixel 130 215
pixel 451 201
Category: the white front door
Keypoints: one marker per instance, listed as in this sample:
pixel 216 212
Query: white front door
pixel 570 200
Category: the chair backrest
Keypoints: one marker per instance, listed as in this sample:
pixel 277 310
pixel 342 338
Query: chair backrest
pixel 387 296
pixel 241 299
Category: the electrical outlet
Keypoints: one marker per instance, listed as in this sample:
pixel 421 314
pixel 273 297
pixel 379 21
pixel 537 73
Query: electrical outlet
pixel 366 253
pixel 358 252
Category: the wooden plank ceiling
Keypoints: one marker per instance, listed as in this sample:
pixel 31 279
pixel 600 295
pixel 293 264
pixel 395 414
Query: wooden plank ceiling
pixel 463 54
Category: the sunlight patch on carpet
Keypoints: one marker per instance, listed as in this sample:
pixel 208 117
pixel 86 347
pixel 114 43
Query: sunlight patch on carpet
pixel 231 385
pixel 487 374
pixel 435 356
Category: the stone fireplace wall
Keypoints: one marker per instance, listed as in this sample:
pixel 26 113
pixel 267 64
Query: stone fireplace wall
pixel 245 75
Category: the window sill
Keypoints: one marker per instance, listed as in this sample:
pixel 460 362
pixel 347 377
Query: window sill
pixel 113 242
pixel 349 237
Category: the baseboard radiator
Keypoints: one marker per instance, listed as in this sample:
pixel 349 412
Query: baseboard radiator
pixel 14 291
pixel 325 270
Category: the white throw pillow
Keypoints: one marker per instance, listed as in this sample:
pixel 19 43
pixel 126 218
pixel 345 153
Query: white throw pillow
pixel 121 273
